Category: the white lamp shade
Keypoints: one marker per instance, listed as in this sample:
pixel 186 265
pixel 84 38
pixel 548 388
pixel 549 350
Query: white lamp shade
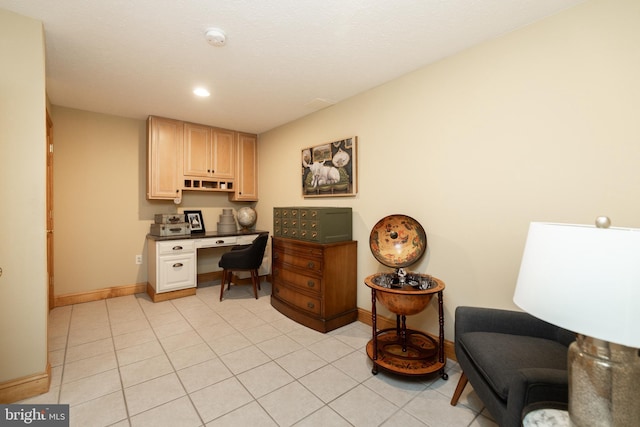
pixel 584 279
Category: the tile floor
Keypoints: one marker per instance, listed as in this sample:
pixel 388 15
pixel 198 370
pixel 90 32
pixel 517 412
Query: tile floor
pixel 196 361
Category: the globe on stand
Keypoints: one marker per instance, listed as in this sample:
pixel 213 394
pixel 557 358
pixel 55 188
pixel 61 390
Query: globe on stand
pixel 247 217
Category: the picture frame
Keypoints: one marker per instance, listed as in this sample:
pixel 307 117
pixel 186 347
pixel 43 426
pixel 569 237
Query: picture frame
pixel 330 169
pixel 196 223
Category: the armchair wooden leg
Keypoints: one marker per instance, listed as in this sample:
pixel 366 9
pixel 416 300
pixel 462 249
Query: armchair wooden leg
pixel 459 389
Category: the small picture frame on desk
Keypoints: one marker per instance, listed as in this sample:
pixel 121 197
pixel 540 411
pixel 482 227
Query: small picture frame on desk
pixel 196 223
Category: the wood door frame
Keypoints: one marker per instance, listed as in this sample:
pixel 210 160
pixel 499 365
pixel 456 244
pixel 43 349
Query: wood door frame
pixel 50 224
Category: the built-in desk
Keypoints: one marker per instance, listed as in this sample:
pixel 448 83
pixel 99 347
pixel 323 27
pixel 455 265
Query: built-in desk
pixel 172 267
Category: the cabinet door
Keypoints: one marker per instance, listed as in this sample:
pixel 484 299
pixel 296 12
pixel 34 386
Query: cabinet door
pixel 247 173
pixel 176 272
pixel 223 157
pixel 197 150
pixel 164 157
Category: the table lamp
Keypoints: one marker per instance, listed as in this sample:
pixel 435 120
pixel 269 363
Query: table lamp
pixel 587 279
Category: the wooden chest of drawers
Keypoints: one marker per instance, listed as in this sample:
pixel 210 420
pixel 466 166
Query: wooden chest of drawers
pixel 314 283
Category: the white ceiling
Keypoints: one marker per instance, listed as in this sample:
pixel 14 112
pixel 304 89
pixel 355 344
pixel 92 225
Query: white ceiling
pixel 283 59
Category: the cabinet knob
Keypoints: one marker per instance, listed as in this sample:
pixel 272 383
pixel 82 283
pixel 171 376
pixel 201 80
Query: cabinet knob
pixel 311 264
pixel 311 283
pixel 310 305
pixel 177 265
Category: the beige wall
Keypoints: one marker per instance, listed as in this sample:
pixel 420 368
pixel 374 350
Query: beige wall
pixel 539 125
pixel 102 216
pixel 23 284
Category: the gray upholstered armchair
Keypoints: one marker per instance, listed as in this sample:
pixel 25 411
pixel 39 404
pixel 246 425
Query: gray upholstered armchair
pixel 512 360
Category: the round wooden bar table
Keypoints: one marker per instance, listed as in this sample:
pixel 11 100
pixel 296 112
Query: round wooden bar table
pixel 401 350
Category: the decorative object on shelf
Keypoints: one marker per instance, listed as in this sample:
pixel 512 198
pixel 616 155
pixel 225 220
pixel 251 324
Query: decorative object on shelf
pixel 169 225
pixel 173 218
pixel 313 224
pixel 247 217
pixel 398 241
pixel 586 279
pixel 196 223
pixel 330 169
pixel 227 223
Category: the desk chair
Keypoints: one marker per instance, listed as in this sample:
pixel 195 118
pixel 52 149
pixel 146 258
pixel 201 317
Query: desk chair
pixel 244 258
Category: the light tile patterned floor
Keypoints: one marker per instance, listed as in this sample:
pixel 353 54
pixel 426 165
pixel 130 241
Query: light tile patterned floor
pixel 196 361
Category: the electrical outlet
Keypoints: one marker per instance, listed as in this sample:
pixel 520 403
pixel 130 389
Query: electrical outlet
pixel 138 259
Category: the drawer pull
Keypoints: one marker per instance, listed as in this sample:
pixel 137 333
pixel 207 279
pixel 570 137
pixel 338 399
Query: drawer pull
pixel 178 265
pixel 311 283
pixel 177 248
pixel 310 305
pixel 311 264
pixel 219 242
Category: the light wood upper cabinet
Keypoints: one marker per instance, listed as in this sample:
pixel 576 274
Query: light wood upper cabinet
pixel 187 156
pixel 247 171
pixel 208 152
pixel 224 157
pixel 164 158
pixel 197 150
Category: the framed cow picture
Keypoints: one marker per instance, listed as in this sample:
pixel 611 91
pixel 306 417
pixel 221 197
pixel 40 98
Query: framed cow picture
pixel 330 169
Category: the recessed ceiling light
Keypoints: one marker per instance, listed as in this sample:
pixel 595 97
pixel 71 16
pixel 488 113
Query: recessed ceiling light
pixel 200 91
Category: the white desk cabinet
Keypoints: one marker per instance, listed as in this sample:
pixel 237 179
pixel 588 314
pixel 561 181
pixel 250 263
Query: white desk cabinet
pixel 173 267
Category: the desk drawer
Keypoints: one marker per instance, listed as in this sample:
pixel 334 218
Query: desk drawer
pixel 176 272
pixel 216 242
pixel 175 247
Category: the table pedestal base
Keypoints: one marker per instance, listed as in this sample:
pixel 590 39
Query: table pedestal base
pixel 416 354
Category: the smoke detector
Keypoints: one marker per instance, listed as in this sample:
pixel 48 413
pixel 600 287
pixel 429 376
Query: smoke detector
pixel 216 37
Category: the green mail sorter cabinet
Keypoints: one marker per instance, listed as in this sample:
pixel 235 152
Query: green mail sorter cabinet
pixel 313 224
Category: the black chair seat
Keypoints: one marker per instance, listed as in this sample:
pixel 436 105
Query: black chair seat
pixel 501 357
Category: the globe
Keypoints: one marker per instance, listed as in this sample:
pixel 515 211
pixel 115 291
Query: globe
pixel 247 217
pixel 398 241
